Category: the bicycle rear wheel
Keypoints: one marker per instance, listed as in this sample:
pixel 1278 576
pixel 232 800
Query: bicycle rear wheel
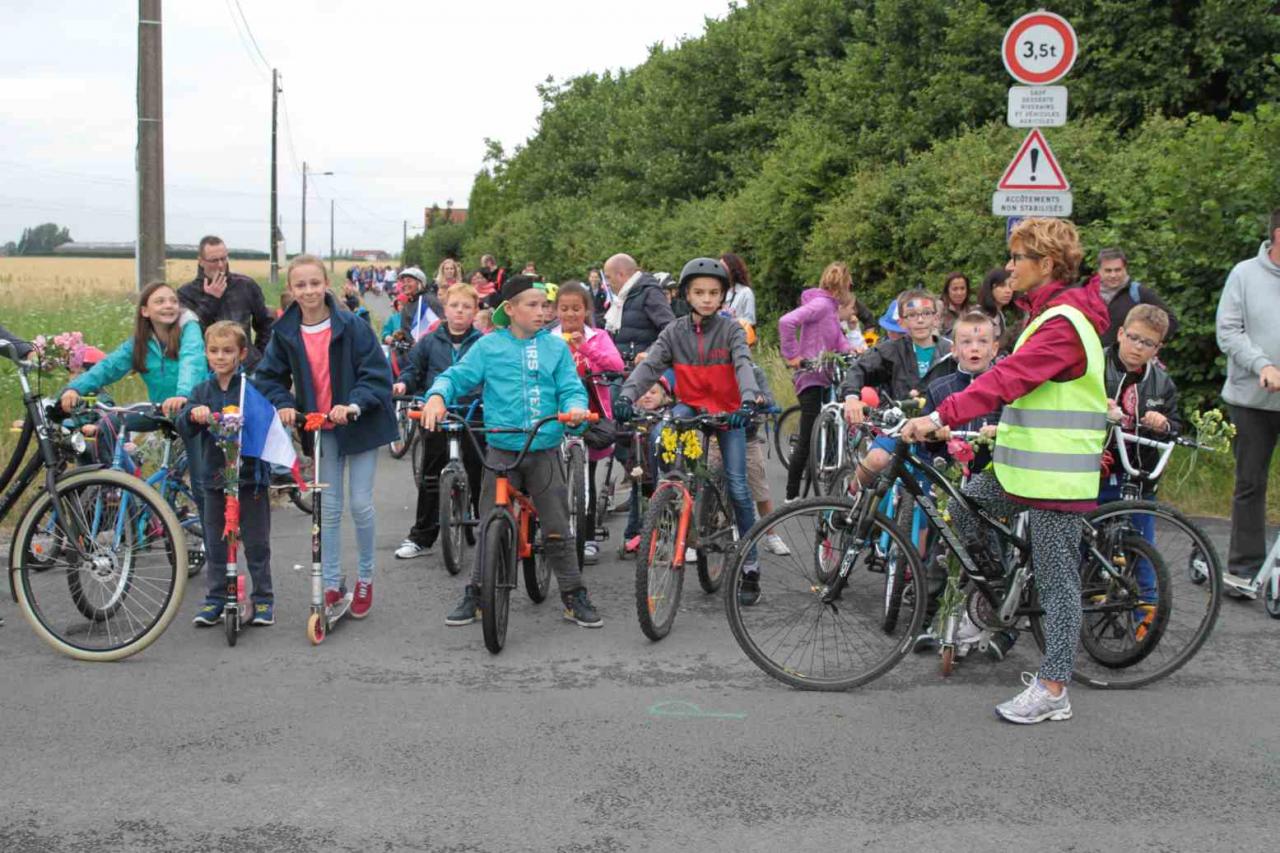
pixel 498 577
pixel 455 510
pixel 537 571
pixel 125 578
pixel 404 431
pixel 1183 585
pixel 784 435
pixel 717 534
pixel 658 580
pixel 789 631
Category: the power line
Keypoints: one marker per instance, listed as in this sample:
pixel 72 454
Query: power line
pixel 240 36
pixel 249 30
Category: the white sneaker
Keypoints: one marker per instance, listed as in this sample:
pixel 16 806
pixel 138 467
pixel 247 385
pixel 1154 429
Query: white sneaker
pixel 409 549
pixel 774 545
pixel 967 631
pixel 1035 704
pixel 590 553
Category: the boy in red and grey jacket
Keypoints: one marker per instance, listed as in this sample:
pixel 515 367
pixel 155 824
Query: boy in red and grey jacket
pixel 713 374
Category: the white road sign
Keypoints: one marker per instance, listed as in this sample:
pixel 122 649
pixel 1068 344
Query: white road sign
pixel 1037 106
pixel 1030 203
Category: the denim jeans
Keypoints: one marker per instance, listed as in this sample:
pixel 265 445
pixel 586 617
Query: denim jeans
pixel 733 450
pixel 360 467
pixel 255 541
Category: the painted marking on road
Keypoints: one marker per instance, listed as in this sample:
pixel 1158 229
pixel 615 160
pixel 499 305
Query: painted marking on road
pixel 679 708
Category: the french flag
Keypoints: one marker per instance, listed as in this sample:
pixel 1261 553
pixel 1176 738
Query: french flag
pixel 262 435
pixel 424 320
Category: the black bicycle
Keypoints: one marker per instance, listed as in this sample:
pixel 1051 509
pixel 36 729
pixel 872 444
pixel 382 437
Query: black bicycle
pixel 820 620
pixel 98 561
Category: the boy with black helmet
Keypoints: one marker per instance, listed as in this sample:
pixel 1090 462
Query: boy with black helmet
pixel 713 374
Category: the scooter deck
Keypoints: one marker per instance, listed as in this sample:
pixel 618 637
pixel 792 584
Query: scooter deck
pixel 337 611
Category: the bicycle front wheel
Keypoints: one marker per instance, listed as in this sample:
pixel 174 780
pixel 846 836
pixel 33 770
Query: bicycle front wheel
pixel 825 465
pixel 498 577
pixel 578 498
pixel 455 507
pixel 404 432
pixel 1153 605
pixel 658 579
pixel 125 573
pixel 781 621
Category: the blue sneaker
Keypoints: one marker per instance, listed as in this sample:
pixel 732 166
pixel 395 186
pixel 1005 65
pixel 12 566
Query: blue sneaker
pixel 209 613
pixel 264 613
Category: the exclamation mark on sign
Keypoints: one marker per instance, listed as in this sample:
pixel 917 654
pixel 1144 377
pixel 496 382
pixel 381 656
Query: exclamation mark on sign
pixel 1035 156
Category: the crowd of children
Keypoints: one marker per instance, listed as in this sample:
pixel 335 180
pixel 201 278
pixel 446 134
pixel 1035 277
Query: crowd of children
pixel 1024 350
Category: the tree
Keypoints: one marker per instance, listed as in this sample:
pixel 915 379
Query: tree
pixel 42 239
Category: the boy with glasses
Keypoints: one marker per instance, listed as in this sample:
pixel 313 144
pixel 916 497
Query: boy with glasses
pixel 899 368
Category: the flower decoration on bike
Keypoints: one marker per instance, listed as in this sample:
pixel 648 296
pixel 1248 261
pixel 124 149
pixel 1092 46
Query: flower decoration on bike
pixel 1213 431
pixel 225 429
pixel 689 443
pixel 871 336
pixel 65 351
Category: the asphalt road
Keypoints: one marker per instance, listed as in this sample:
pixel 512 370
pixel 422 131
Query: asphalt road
pixel 399 733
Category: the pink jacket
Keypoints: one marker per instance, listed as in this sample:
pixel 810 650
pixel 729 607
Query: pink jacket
pixel 809 331
pixel 597 354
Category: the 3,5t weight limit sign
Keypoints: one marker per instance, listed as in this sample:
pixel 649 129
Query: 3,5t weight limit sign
pixel 1039 48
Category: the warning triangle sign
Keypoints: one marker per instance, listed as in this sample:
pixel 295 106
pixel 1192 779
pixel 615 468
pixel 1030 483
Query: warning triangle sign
pixel 1034 167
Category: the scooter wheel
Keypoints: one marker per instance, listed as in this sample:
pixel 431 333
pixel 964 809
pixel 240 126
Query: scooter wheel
pixel 948 660
pixel 315 628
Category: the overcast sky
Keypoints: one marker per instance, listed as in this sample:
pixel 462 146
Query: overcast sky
pixel 394 96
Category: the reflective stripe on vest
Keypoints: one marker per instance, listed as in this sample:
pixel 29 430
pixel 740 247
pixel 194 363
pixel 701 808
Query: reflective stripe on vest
pixel 1049 442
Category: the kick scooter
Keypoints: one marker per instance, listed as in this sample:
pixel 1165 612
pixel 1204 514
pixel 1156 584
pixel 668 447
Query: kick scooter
pixel 236 611
pixel 322 618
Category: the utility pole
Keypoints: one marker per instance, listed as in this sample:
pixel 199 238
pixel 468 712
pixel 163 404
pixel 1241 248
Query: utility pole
pixel 150 153
pixel 275 210
pixel 404 242
pixel 331 236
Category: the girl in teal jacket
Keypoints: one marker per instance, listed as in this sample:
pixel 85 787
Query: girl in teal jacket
pixel 167 350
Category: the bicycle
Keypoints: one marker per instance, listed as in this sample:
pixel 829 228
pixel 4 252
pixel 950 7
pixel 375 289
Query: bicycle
pixel 573 456
pixel 508 533
pixel 830 634
pixel 830 451
pixel 457 515
pixel 406 429
pixel 690 508
pixel 169 478
pixel 98 561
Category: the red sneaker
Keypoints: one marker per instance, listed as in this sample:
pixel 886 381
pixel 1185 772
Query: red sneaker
pixel 332 597
pixel 363 600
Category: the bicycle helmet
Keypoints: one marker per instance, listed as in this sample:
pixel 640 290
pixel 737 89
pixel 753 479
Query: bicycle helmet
pixel 704 266
pixel 414 273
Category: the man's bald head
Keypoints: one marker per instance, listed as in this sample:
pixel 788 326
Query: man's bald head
pixel 619 268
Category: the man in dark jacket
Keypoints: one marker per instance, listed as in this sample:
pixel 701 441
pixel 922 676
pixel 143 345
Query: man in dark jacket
pixel 640 309
pixel 216 294
pixel 1121 293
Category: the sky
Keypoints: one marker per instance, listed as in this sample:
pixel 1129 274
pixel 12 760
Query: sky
pixel 395 97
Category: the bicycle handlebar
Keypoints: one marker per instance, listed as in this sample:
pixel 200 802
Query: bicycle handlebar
pixel 530 434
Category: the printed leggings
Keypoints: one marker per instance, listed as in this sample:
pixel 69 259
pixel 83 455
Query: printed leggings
pixel 1055 558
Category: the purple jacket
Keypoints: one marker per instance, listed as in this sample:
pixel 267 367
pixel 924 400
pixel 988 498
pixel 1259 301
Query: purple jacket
pixel 809 331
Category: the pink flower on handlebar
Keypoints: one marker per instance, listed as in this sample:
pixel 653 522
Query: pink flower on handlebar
pixel 960 450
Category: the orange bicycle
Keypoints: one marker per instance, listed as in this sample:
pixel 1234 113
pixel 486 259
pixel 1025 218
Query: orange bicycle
pixel 508 533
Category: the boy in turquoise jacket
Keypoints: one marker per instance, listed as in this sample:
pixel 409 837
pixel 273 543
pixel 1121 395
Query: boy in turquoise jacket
pixel 527 374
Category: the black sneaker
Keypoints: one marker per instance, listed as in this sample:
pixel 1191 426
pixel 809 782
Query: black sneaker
pixel 749 589
pixel 578 608
pixel 926 642
pixel 468 609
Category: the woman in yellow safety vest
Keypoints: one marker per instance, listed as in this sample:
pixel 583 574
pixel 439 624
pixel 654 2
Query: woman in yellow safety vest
pixel 1049 446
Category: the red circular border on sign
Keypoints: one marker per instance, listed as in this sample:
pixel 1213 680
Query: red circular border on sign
pixel 1058 71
